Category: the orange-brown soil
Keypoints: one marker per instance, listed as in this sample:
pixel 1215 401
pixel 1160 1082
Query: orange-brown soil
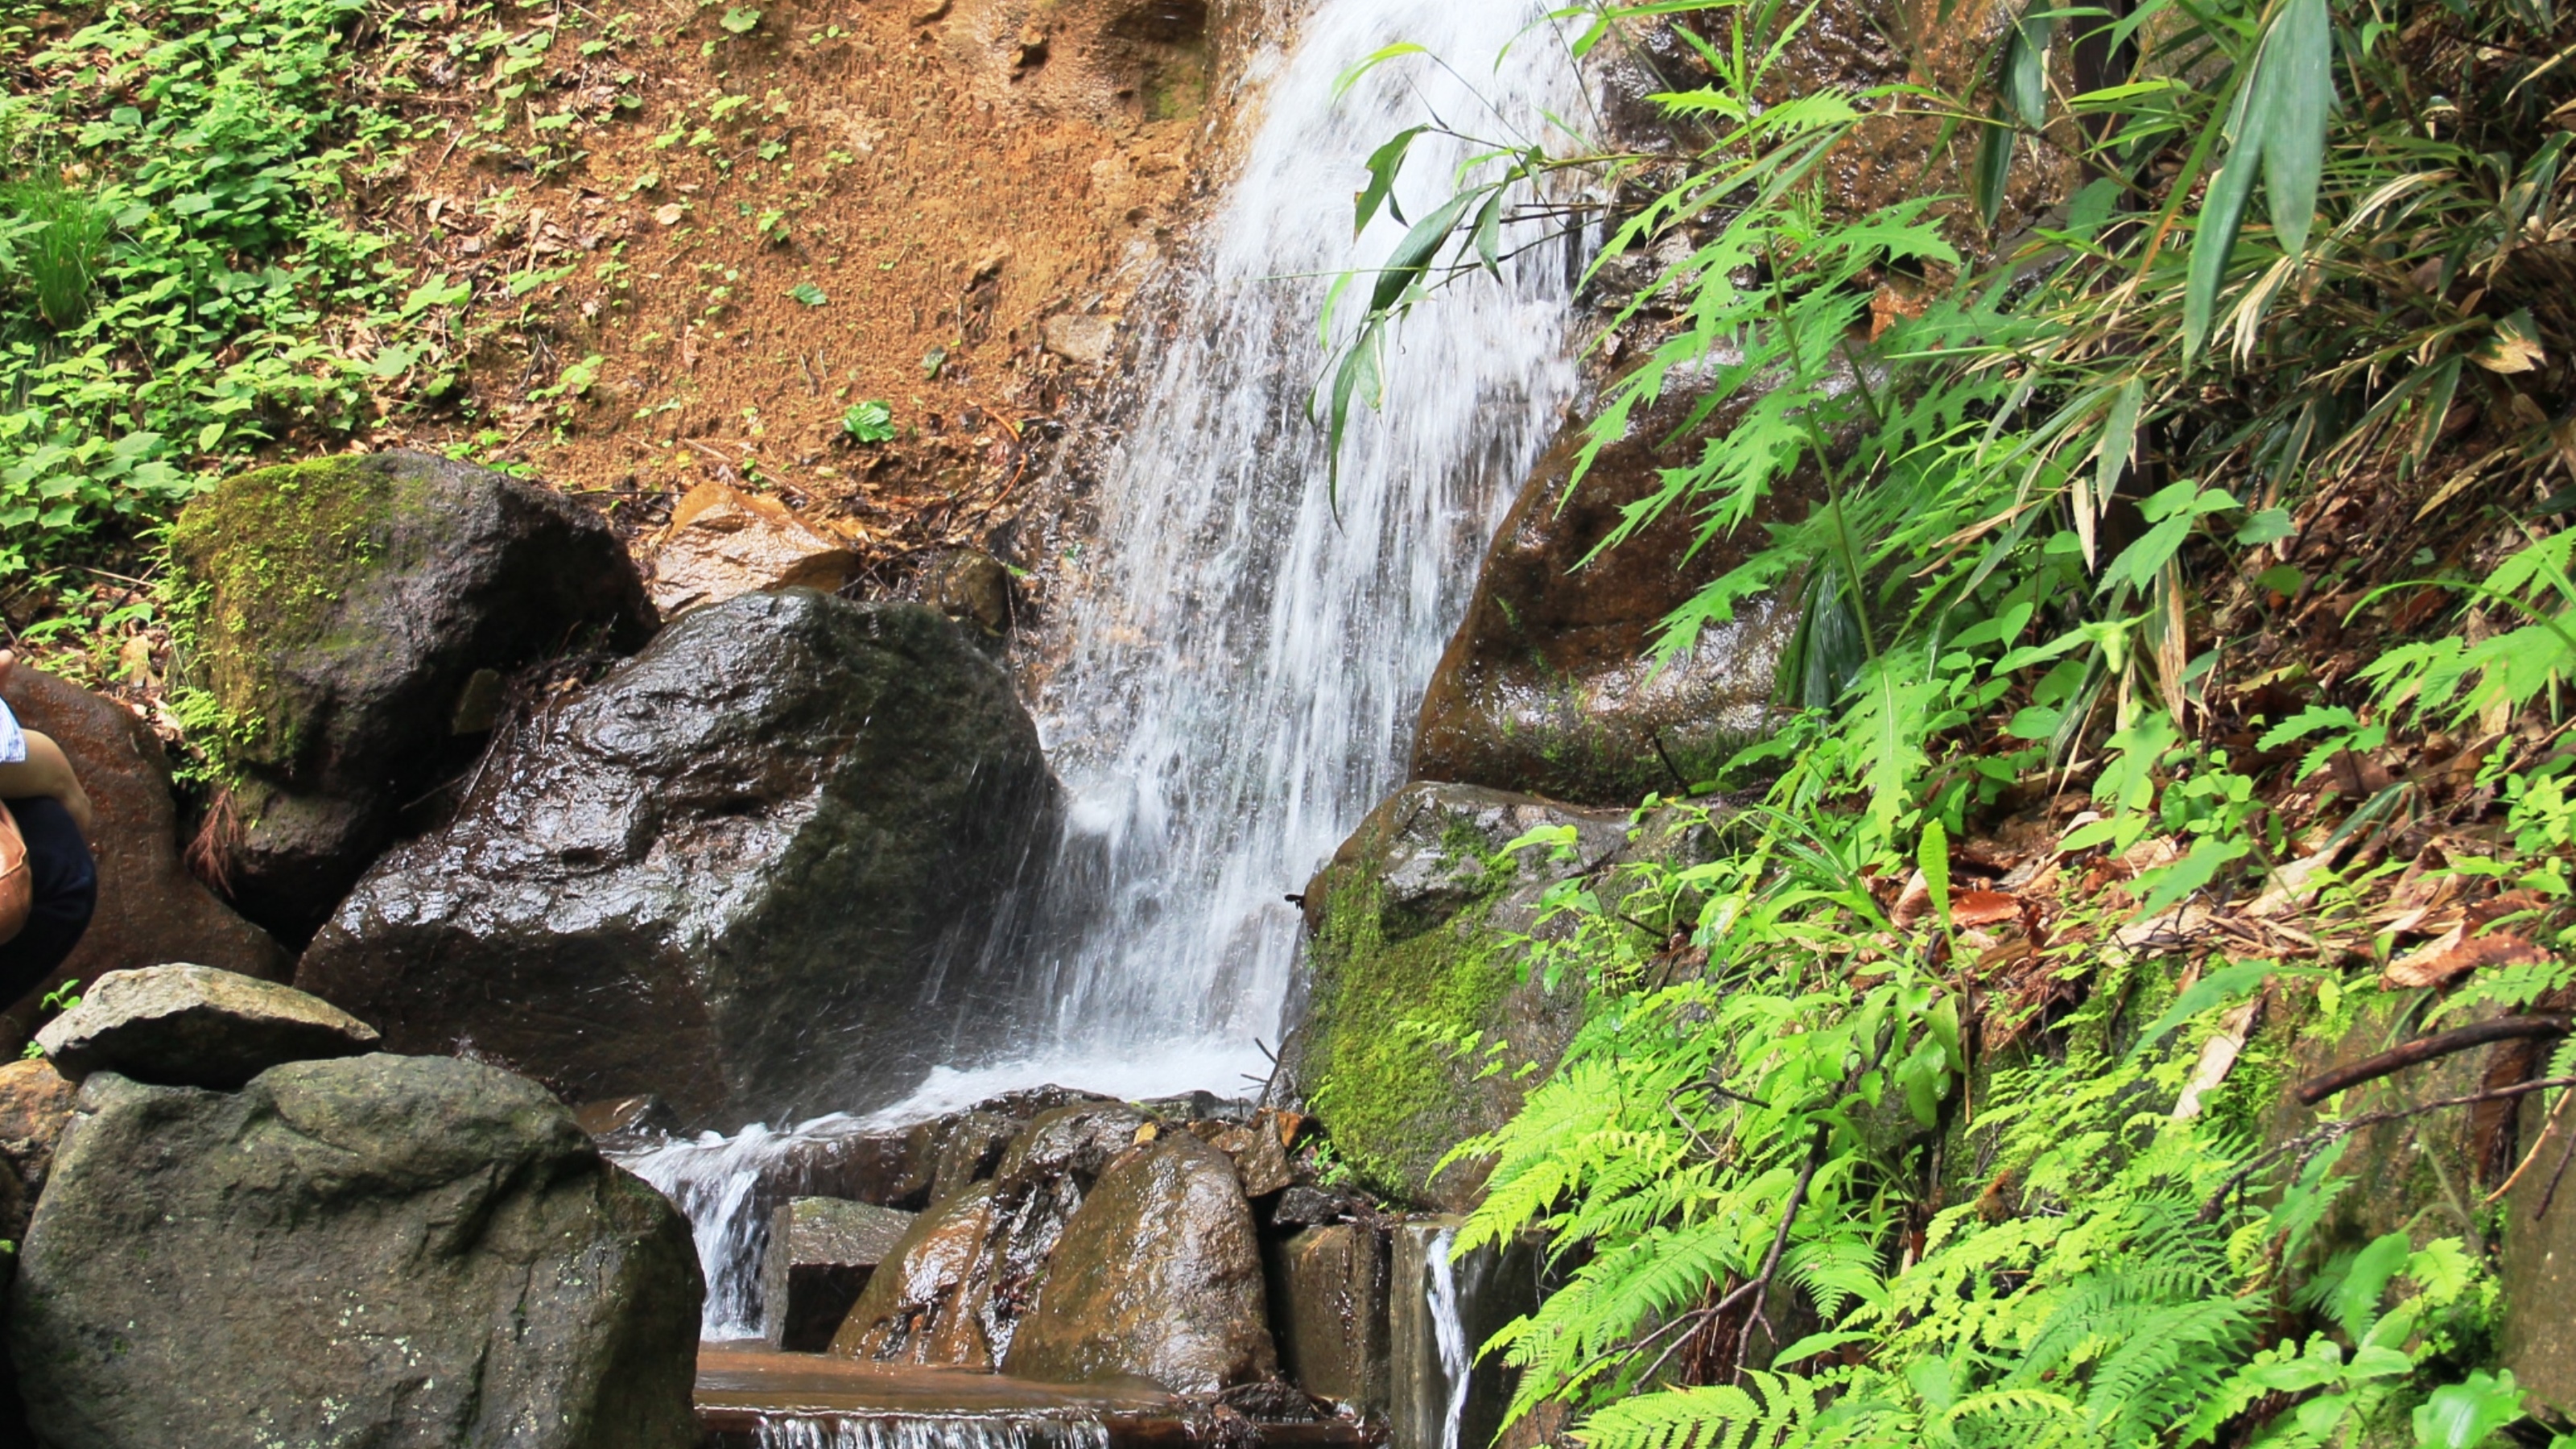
pixel 728 225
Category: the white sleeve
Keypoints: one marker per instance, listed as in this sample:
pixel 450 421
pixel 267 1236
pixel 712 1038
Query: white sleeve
pixel 13 741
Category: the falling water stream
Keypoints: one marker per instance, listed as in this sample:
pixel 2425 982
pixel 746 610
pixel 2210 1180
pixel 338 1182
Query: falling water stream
pixel 1450 1330
pixel 1245 643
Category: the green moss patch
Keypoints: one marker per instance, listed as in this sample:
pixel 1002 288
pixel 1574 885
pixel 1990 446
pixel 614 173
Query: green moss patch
pixel 266 562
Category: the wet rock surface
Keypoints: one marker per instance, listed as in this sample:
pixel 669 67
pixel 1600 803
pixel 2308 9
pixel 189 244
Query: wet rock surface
pixel 1547 686
pixel 1410 920
pixel 377 1249
pixel 916 1307
pixel 348 607
pixel 151 909
pixel 752 870
pixel 1158 1276
pixel 1330 1306
pixel 821 1254
pixel 193 1026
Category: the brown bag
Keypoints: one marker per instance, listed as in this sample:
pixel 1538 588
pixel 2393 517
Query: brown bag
pixel 17 882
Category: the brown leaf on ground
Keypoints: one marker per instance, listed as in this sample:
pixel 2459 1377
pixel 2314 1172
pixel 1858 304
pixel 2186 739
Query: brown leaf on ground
pixel 2457 954
pixel 1983 908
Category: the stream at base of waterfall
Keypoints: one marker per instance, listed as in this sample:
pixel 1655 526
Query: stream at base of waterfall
pixel 1246 641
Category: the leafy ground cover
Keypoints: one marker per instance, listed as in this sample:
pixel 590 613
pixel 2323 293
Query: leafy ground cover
pixel 2188 623
pixel 625 251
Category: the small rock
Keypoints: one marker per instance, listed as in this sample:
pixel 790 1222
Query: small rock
pixel 1080 338
pixel 1158 1275
pixel 821 1253
pixel 1332 1320
pixel 723 542
pixel 669 213
pixel 1303 1207
pixel 623 1124
pixel 973 588
pixel 195 1026
pixel 1259 1156
pixel 35 1104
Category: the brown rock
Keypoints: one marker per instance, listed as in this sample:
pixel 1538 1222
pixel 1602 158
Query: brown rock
pixel 821 1253
pixel 724 542
pixel 914 1307
pixel 974 588
pixel 35 1104
pixel 1546 687
pixel 1158 1276
pixel 1260 1157
pixel 150 910
pixel 1331 1312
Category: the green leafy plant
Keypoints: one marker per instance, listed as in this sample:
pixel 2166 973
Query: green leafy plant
pixel 869 422
pixel 56 247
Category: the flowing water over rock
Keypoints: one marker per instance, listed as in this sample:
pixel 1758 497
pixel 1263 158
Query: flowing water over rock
pixel 1247 641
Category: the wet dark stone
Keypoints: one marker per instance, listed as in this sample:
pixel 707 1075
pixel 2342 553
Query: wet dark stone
pixel 627 1124
pixel 1546 687
pixel 1329 1312
pixel 350 605
pixel 35 1106
pixel 752 870
pixel 377 1249
pixel 821 1253
pixel 1303 1206
pixel 1490 1288
pixel 1158 1275
pixel 151 910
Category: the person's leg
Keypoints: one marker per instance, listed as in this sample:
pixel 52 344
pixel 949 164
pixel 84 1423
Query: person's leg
pixel 66 881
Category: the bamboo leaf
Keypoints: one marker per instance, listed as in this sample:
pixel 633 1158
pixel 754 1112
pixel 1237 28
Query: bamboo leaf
pixel 1994 165
pixel 2296 72
pixel 2026 67
pixel 1349 78
pixel 1383 164
pixel 1412 256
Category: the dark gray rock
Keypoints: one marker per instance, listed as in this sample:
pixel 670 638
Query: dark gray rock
pixel 821 1253
pixel 194 1026
pixel 342 610
pixel 1158 1276
pixel 752 870
pixel 375 1250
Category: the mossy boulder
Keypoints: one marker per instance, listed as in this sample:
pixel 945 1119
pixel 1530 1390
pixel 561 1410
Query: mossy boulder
pixel 753 871
pixel 345 622
pixel 1410 957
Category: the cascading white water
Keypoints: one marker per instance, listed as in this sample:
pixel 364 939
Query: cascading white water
pixel 1245 645
pixel 1450 1330
pixel 1249 644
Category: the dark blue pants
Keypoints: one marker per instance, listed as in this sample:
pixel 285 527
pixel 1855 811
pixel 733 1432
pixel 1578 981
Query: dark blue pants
pixel 66 882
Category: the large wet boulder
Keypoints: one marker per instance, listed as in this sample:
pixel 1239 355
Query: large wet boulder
pixel 752 871
pixel 1549 686
pixel 957 1290
pixel 1411 927
pixel 371 1250
pixel 349 620
pixel 194 1026
pixel 1157 1276
pixel 151 909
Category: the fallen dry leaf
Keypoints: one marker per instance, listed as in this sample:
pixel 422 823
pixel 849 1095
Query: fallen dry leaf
pixel 2457 954
pixel 1983 908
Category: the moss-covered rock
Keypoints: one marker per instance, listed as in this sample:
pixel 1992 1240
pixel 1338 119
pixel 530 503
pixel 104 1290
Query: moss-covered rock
pixel 335 614
pixel 1411 961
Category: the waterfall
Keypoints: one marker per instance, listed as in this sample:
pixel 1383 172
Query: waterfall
pixel 1440 1295
pixel 1244 645
pixel 1247 644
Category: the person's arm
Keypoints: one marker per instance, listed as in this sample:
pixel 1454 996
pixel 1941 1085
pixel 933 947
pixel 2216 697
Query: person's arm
pixel 48 772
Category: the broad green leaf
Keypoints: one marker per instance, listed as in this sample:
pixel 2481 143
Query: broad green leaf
pixel 1412 256
pixel 1383 165
pixel 2297 69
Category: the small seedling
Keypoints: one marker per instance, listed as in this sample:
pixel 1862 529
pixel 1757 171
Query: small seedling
pixel 869 422
pixel 808 293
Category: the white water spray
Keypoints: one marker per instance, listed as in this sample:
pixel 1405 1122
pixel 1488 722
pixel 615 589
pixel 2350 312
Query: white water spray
pixel 1440 1295
pixel 1246 644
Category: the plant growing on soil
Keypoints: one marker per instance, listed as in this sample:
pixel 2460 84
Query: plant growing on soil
pixel 869 422
pixel 2070 480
